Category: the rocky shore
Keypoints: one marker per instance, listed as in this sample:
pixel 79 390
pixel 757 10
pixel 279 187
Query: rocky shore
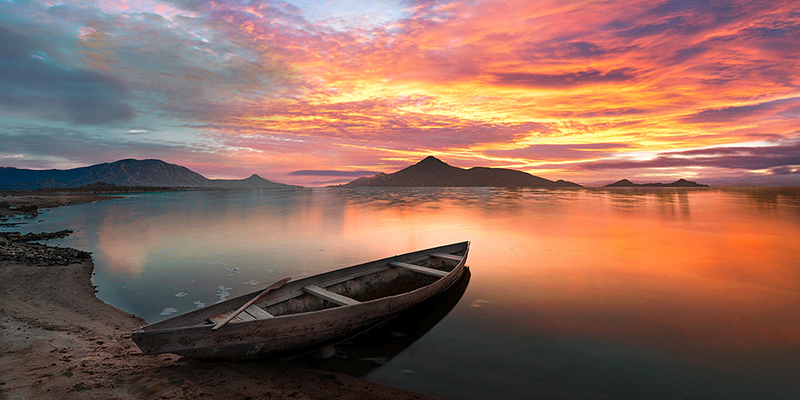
pixel 58 341
pixel 15 248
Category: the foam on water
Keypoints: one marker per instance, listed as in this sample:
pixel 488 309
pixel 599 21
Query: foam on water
pixel 222 293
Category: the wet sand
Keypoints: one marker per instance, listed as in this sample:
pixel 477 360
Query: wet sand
pixel 59 341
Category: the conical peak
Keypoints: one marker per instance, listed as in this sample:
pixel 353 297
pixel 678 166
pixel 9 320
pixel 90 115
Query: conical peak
pixel 431 160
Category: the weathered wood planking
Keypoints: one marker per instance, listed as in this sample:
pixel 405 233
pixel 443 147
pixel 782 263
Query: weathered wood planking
pixel 417 268
pixel 446 256
pixel 330 296
pixel 258 312
pixel 221 317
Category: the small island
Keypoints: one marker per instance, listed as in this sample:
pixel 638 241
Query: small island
pixel 680 183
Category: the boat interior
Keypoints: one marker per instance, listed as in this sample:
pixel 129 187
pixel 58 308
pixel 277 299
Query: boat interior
pixel 376 280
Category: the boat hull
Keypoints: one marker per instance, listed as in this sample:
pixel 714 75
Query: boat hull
pixel 286 333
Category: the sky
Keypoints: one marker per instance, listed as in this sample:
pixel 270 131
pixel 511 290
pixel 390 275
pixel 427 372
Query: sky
pixel 321 92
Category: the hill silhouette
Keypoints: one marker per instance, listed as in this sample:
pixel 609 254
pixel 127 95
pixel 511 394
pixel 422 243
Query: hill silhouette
pixel 680 183
pixel 432 172
pixel 128 172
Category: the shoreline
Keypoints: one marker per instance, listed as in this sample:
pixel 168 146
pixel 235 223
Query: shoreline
pixel 59 341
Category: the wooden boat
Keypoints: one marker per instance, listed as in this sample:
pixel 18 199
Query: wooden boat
pixel 310 311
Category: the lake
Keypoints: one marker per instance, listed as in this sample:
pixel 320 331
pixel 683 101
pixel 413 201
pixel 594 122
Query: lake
pixel 573 294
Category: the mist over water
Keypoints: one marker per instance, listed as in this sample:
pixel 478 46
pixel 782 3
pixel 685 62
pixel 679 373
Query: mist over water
pixel 630 293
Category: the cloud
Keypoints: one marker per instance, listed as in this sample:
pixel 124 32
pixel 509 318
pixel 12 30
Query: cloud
pixel 678 18
pixel 679 24
pixel 91 67
pixel 583 50
pixel 317 172
pixel 559 151
pixel 683 55
pixel 611 112
pixel 270 83
pixel 564 80
pixel 189 5
pixel 726 114
pixel 35 83
pixel 399 123
pixel 40 146
pixel 718 11
pixel 741 157
pixel 44 145
pixel 795 170
pixel 567 48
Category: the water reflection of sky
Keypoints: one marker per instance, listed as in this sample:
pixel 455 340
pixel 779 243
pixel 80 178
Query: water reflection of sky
pixel 574 293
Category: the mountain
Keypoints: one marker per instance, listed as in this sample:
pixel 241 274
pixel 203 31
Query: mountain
pixel 680 183
pixel 130 172
pixel 432 172
pixel 253 182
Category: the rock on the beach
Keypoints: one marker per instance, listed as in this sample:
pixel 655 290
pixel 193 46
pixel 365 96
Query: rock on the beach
pixel 28 208
pixel 14 247
pixel 325 353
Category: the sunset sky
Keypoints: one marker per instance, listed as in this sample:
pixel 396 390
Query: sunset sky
pixel 315 93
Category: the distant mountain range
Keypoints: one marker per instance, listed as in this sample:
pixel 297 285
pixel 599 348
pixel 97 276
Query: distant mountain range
pixel 680 183
pixel 130 172
pixel 432 172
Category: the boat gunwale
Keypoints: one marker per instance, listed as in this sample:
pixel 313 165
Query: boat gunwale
pixel 314 279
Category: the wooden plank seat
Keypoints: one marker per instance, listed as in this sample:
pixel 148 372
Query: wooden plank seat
pixel 446 256
pixel 329 296
pixel 221 317
pixel 420 269
pixel 244 316
pixel 258 312
pixel 251 313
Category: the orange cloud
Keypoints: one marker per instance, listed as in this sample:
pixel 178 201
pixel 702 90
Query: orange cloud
pixel 467 79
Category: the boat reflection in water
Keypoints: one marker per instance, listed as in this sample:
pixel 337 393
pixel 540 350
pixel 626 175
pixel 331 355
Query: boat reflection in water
pixel 367 351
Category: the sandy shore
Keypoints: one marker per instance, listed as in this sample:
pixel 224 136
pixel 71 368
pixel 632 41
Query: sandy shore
pixel 58 341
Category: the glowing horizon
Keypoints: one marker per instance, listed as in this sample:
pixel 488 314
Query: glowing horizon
pixel 585 91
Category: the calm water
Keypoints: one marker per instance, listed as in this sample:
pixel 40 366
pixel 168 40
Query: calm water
pixel 574 294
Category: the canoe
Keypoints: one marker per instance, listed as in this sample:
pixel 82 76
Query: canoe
pixel 311 311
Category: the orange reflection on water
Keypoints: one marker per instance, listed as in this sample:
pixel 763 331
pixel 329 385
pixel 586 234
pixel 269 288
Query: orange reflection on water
pixel 708 276
pixel 715 282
